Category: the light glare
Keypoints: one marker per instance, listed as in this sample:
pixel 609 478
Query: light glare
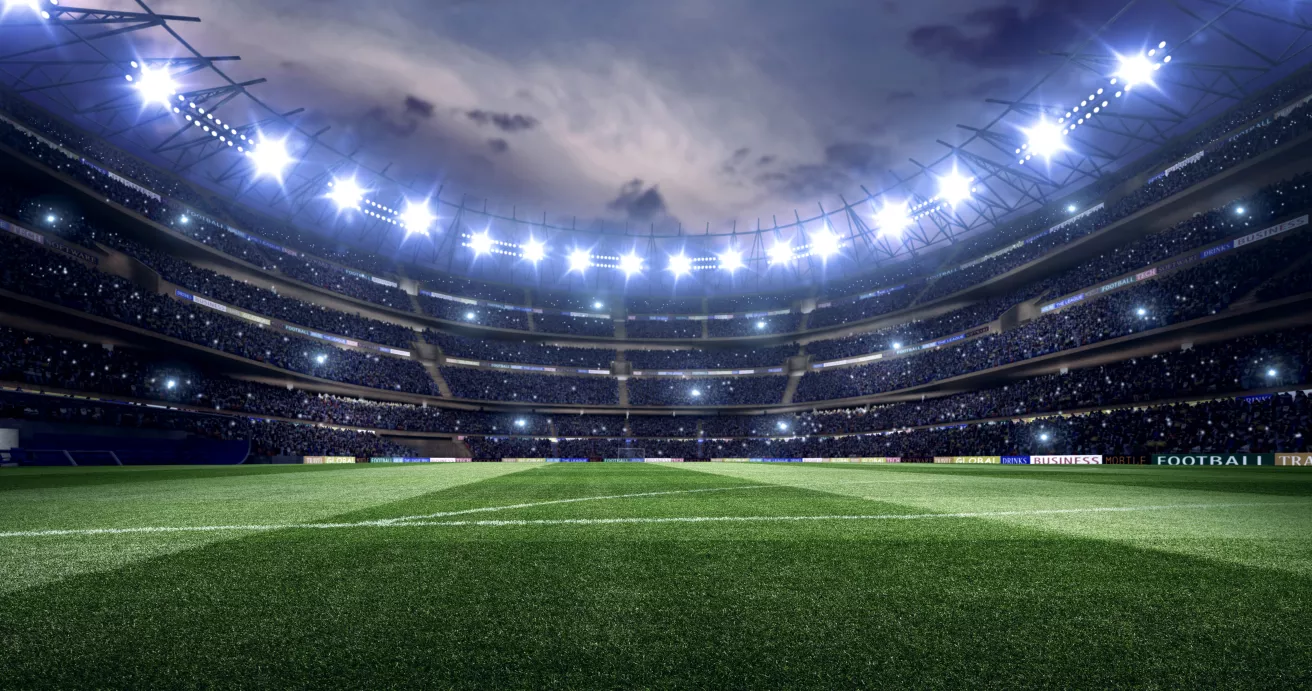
pixel 417 218
pixel 155 86
pixel 346 194
pixel 892 219
pixel 825 243
pixel 579 261
pixel 534 251
pixel 630 264
pixel 271 158
pixel 480 243
pixel 731 260
pixel 1045 139
pixel 954 188
pixel 780 253
pixel 1135 70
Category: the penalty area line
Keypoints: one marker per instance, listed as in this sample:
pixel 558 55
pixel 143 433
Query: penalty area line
pixel 390 523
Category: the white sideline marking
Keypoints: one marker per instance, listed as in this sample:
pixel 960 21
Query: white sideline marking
pixel 832 517
pixel 392 523
pixel 382 522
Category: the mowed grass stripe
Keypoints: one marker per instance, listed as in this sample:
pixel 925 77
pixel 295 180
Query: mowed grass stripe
pixel 185 496
pixel 966 602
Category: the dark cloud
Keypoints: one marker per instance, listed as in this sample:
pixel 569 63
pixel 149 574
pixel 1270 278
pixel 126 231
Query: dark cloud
pixel 845 165
pixel 506 122
pixel 1003 35
pixel 418 107
pixel 638 202
pixel 498 146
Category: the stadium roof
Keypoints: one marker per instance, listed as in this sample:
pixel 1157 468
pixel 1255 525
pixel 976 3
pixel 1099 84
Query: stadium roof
pixel 131 77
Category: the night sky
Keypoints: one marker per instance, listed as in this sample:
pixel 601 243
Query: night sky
pixel 685 110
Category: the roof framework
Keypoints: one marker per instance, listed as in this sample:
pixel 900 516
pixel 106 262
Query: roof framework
pixel 74 61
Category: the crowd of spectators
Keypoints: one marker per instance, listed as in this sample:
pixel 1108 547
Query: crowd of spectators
pixel 674 328
pixel 523 352
pixel 1197 291
pixel 699 391
pixel 699 358
pixel 466 287
pixel 757 326
pixel 653 305
pixel 735 304
pixel 29 269
pixel 572 302
pixel 581 326
pixel 264 302
pixel 495 385
pixel 474 314
pixel 845 312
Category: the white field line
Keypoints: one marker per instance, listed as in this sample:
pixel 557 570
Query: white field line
pixel 613 521
pixel 832 517
pixel 382 522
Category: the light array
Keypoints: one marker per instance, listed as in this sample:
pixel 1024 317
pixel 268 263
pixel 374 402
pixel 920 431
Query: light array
pixel 271 158
pixel 1046 139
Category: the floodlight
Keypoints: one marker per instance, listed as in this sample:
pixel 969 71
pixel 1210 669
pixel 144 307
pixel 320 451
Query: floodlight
pixel 155 86
pixel 480 243
pixel 954 188
pixel 1070 208
pixel 598 305
pixel 731 260
pixel 171 384
pixel 781 252
pixel 1135 70
pixel 417 218
pixel 1044 139
pixel 50 218
pixel 824 243
pixel 760 324
pixel 270 158
pixel 696 393
pixel 680 264
pixel 1141 312
pixel 470 316
pixel 320 358
pixel 1239 210
pixel 1271 372
pixel 783 425
pixel 896 345
pixel 630 264
pixel 33 5
pixel 346 194
pixel 892 219
pixel 579 261
pixel 184 219
pixel 533 250
pixel 520 422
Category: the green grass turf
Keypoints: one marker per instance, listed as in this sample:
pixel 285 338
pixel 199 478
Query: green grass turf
pixel 1168 597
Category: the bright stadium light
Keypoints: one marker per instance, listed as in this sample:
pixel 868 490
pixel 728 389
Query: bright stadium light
pixel 696 393
pixel 630 264
pixel 579 260
pixel 896 345
pixel 1044 437
pixel 731 260
pixel 760 325
pixel 171 384
pixel 346 194
pixel 1070 208
pixel 1141 312
pixel 155 86
pixel 955 188
pixel 50 218
pixel 520 422
pixel 417 218
pixel 320 358
pixel 824 243
pixel 1044 139
pixel 470 316
pixel 33 5
pixel 783 426
pixel 598 305
pixel 780 253
pixel 1239 210
pixel 480 243
pixel 533 250
pixel 271 158
pixel 680 264
pixel 184 219
pixel 1134 70
pixel 1271 372
pixel 892 219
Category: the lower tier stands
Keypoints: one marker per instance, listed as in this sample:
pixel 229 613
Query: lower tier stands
pixel 492 385
pixel 723 358
pixel 519 351
pixel 674 328
pixel 486 316
pixel 666 391
pixel 580 326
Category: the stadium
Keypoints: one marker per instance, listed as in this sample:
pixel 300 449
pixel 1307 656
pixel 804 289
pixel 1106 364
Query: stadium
pixel 1030 409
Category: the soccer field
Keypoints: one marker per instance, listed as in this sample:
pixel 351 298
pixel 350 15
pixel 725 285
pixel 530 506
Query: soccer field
pixel 711 575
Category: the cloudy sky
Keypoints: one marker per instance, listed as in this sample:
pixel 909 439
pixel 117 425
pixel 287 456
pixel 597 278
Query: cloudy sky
pixel 695 110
